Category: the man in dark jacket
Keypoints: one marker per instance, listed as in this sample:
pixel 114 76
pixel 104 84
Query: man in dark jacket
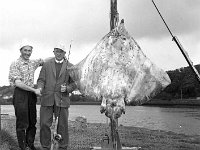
pixel 55 100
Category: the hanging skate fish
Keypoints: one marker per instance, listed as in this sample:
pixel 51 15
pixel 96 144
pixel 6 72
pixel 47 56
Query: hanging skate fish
pixel 117 71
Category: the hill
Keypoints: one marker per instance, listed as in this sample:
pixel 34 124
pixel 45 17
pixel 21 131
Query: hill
pixel 183 85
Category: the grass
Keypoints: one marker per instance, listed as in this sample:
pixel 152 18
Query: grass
pixel 83 136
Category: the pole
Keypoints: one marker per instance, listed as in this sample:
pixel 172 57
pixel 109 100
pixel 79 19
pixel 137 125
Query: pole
pixel 114 15
pixel 181 94
pixel 70 46
pixel 114 19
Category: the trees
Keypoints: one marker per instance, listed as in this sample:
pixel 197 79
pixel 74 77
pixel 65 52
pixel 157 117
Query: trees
pixel 183 84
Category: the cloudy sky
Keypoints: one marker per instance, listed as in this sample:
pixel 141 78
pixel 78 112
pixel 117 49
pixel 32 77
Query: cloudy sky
pixel 45 22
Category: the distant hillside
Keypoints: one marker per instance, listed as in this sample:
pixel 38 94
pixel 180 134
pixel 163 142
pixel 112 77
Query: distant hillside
pixel 6 91
pixel 183 85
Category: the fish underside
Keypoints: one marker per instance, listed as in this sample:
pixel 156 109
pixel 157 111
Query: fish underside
pixel 116 72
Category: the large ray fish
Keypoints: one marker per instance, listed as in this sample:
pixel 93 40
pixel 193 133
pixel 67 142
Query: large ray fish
pixel 117 71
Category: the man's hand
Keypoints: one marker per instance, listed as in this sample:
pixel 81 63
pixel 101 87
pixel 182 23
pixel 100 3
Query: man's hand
pixel 38 92
pixel 63 88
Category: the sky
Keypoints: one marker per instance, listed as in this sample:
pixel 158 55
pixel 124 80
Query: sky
pixel 44 23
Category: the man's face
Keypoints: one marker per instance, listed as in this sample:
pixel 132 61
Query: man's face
pixel 59 54
pixel 26 52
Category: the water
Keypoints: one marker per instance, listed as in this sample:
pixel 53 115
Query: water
pixel 178 120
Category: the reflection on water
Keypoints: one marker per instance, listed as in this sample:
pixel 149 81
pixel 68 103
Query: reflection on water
pixel 179 120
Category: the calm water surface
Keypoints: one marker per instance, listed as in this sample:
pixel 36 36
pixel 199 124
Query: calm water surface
pixel 179 120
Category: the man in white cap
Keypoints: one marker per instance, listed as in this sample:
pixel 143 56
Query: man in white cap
pixel 55 98
pixel 21 76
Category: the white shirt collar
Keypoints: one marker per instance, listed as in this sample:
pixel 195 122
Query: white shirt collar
pixel 61 61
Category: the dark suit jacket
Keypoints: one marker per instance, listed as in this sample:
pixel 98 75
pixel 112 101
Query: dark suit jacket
pixel 51 87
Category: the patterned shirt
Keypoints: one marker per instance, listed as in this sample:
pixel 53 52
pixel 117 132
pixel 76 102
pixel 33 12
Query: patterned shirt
pixel 24 70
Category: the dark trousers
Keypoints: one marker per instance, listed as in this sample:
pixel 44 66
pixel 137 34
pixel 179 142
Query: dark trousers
pixel 25 111
pixel 46 119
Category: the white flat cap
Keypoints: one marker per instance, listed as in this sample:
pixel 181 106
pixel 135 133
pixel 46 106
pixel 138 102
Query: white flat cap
pixel 61 46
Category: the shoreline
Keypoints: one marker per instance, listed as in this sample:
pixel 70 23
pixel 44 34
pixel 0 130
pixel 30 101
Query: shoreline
pixel 175 102
pixel 153 102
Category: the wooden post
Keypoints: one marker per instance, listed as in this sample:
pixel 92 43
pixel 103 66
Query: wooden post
pixel 114 15
pixel 115 140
